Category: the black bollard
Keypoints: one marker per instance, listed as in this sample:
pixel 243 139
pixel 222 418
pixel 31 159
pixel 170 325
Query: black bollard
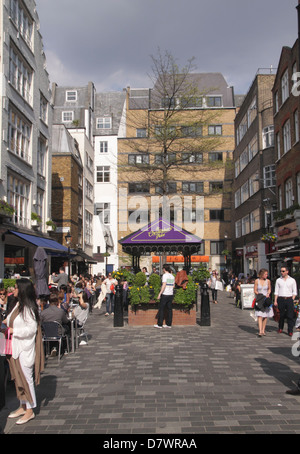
pixel 205 308
pixel 118 311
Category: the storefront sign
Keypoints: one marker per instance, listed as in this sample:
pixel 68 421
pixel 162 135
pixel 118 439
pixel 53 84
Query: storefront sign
pixel 251 251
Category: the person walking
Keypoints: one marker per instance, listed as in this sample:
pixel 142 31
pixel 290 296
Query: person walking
pixel 110 283
pixel 27 349
pixel 285 293
pixel 262 286
pixel 102 294
pixel 166 298
pixel 212 285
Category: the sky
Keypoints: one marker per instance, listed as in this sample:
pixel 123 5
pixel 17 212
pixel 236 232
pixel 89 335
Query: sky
pixel 111 43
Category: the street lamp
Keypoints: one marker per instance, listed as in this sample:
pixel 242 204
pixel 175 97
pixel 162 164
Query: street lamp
pixel 68 239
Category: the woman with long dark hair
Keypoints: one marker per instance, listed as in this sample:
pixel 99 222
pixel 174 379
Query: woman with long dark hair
pixel 27 349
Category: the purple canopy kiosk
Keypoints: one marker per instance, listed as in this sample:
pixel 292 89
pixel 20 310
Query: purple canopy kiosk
pixel 161 237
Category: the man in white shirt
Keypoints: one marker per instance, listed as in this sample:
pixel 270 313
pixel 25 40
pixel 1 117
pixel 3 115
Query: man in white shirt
pixel 285 293
pixel 166 298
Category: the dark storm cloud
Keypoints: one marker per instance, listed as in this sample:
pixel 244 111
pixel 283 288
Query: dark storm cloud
pixel 110 43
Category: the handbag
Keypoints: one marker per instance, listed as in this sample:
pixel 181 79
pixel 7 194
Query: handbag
pixel 8 343
pixel 253 303
pixel 276 316
pixel 219 285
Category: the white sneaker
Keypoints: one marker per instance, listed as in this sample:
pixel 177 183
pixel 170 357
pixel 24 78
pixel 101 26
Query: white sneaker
pixel 157 326
pixel 82 342
pixel 167 326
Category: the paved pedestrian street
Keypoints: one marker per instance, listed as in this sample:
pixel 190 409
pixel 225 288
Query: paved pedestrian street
pixel 218 379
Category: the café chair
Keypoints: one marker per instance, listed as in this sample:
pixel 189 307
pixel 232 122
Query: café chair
pixel 54 332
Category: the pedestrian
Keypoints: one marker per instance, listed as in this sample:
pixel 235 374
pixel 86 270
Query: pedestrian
pixel 110 283
pixel 285 293
pixel 27 348
pixel 262 286
pixel 166 298
pixel 212 282
pixel 102 294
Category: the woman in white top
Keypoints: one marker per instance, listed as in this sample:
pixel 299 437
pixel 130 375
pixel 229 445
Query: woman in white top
pixel 102 294
pixel 27 349
pixel 262 286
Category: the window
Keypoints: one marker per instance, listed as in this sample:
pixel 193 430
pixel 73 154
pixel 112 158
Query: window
pixel 103 146
pixel 216 215
pixel 22 21
pixel 216 186
pixel 280 198
pixel 236 167
pixel 215 130
pixel 269 176
pixel 171 188
pixel 196 186
pixel 104 123
pixel 268 136
pixel 41 155
pixel 276 102
pixel 252 112
pixel 135 159
pixel 165 159
pixel 288 191
pixel 168 103
pixel 241 129
pixel 43 108
pixel 193 101
pixel 18 196
pixel 245 225
pixel 103 174
pixel 253 147
pixel 214 101
pixel 141 132
pixel 139 187
pixel 286 136
pixel 253 184
pixel 88 190
pixel 19 133
pixel 20 74
pixel 254 220
pixel 298 188
pixel 285 86
pixel 71 95
pixel 192 158
pixel 191 131
pixel 296 126
pixel 88 234
pixel 103 211
pixel 278 145
pixel 238 228
pixel 215 156
pixel 39 203
pixel 67 116
pixel 216 247
pixel 245 192
pixel 244 159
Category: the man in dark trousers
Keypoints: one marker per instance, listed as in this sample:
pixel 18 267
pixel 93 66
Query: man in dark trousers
pixel 166 298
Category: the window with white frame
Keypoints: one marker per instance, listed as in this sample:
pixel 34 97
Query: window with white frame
pixel 269 176
pixel 18 190
pixel 268 136
pixel 296 126
pixel 288 192
pixel 238 228
pixel 88 237
pixel 71 95
pixel 285 86
pixel 88 189
pixel 246 225
pixel 41 154
pixel 103 123
pixel 43 108
pixel 279 198
pixel 39 205
pixel 278 145
pixel 103 174
pixel 103 211
pixel 244 192
pixel 141 132
pixel 253 147
pixel 253 184
pixel 67 116
pixel 215 130
pixel 255 220
pixel 20 74
pixel 103 146
pixel 286 130
pixel 276 102
pixel 19 134
pixel 22 21
pixel 252 112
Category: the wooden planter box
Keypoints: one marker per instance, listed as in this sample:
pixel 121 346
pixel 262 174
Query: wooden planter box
pixel 147 315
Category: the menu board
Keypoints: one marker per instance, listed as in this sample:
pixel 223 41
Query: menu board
pixel 247 296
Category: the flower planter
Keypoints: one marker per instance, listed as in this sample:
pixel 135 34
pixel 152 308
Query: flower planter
pixel 146 315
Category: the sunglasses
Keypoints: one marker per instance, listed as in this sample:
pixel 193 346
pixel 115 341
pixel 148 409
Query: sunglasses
pixel 2 294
